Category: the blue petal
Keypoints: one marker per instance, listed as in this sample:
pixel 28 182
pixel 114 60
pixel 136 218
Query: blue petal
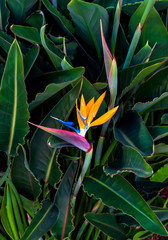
pixel 67 124
pixel 82 118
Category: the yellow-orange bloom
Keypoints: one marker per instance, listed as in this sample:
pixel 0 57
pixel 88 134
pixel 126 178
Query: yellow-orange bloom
pixel 88 112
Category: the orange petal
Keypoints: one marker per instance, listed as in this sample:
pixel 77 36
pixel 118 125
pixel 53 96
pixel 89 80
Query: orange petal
pixel 83 106
pixel 105 117
pixel 81 125
pixel 89 106
pixel 95 108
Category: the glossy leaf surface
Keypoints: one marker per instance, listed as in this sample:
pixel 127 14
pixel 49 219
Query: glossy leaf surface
pixel 4 15
pixel 117 192
pixel 42 222
pixel 131 131
pixel 20 173
pixel 64 225
pixel 129 160
pixel 107 224
pixel 13 106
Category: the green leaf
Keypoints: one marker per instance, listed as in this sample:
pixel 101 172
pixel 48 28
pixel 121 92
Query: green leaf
pixel 132 132
pixel 154 87
pixel 160 175
pixel 87 26
pixel 129 160
pixel 161 148
pixel 23 179
pixel 64 23
pixel 4 15
pixel 158 132
pixel 142 55
pixel 40 152
pixel 44 220
pixel 157 34
pixel 20 9
pixel 55 59
pixel 128 75
pixel 159 103
pixel 64 226
pixel 117 192
pixel 4 216
pixel 59 80
pixel 107 224
pixel 36 20
pixel 30 59
pixel 13 106
pixel 164 119
pixel 30 34
pixel 142 75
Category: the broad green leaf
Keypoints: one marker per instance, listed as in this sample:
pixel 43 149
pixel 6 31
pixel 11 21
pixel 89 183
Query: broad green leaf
pixel 129 160
pixel 23 179
pixel 160 175
pixel 30 59
pixel 164 119
pixel 4 15
pixel 154 87
pixel 159 103
pixel 107 224
pixel 117 192
pixel 59 80
pixel 43 221
pixel 158 132
pixel 161 148
pixel 157 34
pixel 142 75
pixel 13 106
pixel 128 75
pixel 36 20
pixel 87 26
pixel 63 6
pixel 4 217
pixel 64 226
pixel 132 132
pixel 20 9
pixel 59 18
pixel 55 59
pixel 142 55
pixel 40 152
pixel 28 33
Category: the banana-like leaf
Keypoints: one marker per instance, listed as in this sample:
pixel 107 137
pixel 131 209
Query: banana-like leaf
pixel 13 103
pixel 20 9
pixel 107 224
pixel 57 81
pixel 129 160
pixel 23 179
pixel 36 20
pixel 132 132
pixel 160 175
pixel 88 27
pixel 117 192
pixel 158 132
pixel 64 226
pixel 159 103
pixel 40 152
pixel 4 15
pixel 42 222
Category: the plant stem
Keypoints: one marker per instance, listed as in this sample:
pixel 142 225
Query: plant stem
pixel 108 152
pixel 86 164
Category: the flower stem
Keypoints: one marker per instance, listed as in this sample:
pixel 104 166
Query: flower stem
pixel 86 164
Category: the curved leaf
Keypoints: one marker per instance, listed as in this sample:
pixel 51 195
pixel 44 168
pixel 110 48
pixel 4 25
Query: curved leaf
pixel 88 27
pixel 160 175
pixel 4 15
pixel 129 160
pixel 42 222
pixel 20 9
pixel 36 20
pixel 59 80
pixel 23 179
pixel 117 192
pixel 13 106
pixel 131 131
pixel 107 224
pixel 158 132
pixel 64 226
